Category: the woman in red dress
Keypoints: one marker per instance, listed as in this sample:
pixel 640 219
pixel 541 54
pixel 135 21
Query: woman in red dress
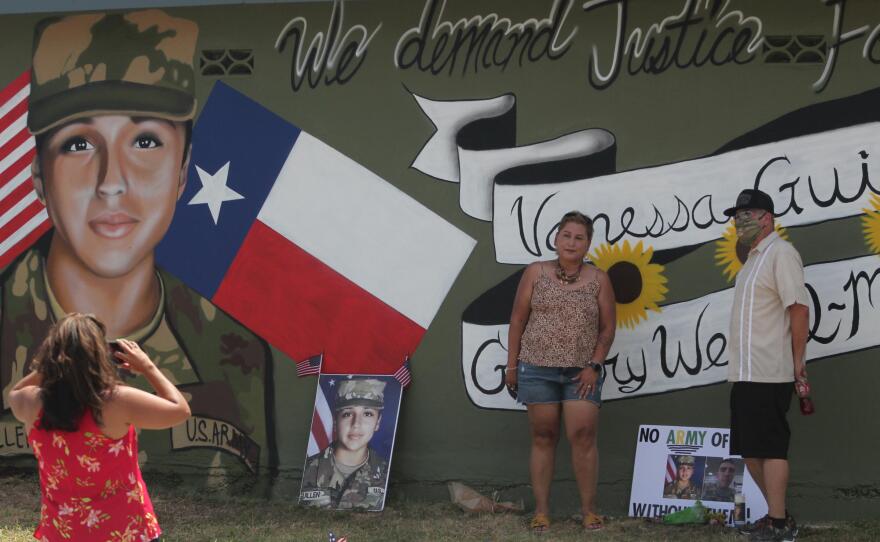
pixel 80 420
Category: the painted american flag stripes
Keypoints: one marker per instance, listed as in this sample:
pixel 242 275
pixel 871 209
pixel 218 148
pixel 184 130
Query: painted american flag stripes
pixel 23 218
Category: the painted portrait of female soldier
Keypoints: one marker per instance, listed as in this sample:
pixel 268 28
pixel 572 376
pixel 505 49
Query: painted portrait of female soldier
pixel 111 106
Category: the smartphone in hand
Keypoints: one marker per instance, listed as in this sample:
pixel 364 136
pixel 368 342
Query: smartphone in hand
pixel 114 348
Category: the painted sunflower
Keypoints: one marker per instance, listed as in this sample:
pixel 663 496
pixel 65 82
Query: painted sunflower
pixel 732 255
pixel 638 284
pixel 871 225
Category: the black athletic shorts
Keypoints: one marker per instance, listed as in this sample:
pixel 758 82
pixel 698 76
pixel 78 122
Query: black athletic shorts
pixel 758 427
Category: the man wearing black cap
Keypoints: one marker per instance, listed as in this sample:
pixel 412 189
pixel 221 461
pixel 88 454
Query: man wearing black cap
pixel 769 311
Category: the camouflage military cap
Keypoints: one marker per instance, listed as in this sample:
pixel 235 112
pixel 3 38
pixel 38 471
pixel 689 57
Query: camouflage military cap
pixel 138 64
pixel 685 460
pixel 367 392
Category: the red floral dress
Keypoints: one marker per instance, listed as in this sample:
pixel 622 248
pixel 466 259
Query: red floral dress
pixel 92 489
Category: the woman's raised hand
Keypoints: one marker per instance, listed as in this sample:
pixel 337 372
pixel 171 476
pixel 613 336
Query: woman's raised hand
pixel 132 357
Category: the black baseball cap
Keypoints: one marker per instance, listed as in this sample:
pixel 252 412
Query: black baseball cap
pixel 751 198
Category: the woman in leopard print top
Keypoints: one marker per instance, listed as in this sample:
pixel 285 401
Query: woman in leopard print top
pixel 561 330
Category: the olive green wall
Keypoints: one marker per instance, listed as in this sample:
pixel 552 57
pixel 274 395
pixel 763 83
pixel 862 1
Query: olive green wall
pixel 676 115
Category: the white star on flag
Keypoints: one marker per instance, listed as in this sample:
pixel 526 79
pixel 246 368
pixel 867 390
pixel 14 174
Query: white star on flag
pixel 214 190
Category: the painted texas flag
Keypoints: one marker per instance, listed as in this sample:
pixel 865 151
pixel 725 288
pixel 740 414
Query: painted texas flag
pixel 304 246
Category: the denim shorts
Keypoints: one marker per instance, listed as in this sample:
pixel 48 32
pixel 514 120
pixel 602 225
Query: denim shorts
pixel 540 385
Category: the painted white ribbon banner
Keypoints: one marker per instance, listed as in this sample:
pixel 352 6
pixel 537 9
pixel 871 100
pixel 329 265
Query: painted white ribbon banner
pixel 475 141
pixel 811 179
pixel 686 345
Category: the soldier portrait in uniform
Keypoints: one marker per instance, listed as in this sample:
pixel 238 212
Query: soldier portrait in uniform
pixel 111 106
pixel 722 478
pixel 688 478
pixel 351 472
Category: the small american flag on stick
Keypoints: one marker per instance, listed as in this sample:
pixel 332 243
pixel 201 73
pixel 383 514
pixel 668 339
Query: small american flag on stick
pixel 403 374
pixel 310 366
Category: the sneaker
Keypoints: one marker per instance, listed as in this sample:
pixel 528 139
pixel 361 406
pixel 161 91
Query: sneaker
pixel 791 529
pixel 749 528
pixel 768 533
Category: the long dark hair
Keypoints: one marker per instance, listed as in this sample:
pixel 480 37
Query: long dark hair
pixel 74 361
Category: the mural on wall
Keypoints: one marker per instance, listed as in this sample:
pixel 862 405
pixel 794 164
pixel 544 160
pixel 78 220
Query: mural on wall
pixel 111 101
pixel 818 170
pixel 699 33
pixel 267 245
pixel 815 162
pixel 292 238
pixel 262 234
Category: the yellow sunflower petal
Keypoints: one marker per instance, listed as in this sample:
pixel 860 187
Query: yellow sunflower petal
pixel 871 225
pixel 630 312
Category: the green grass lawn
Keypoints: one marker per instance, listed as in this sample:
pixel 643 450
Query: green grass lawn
pixel 186 515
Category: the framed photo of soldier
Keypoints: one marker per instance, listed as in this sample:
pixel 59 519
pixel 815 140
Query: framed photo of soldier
pixel 354 425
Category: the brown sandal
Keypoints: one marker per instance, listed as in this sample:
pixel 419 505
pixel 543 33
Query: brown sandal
pixel 540 524
pixel 593 522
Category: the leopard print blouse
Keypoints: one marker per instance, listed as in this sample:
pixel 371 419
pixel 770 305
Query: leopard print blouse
pixel 563 325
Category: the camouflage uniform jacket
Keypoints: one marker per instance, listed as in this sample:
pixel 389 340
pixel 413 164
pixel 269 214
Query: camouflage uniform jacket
pixel 672 491
pixel 220 367
pixel 714 492
pixel 324 486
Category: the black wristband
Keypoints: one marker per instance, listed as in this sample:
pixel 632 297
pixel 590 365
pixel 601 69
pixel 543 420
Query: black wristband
pixel 595 366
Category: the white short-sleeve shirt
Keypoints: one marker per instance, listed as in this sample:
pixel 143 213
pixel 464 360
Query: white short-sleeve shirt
pixel 771 280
